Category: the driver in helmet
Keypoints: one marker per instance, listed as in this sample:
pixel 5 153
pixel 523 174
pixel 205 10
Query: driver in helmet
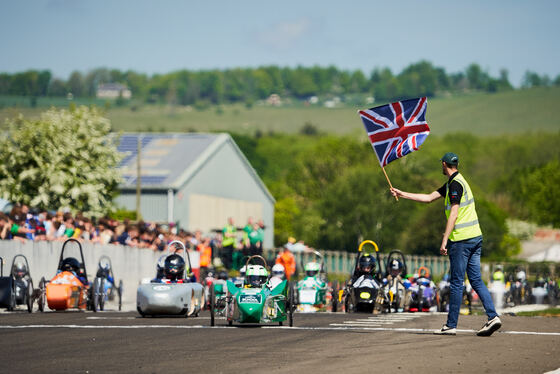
pixel 256 276
pixel 72 265
pixel 395 268
pixel 104 271
pixel 278 275
pixel 19 270
pixel 174 269
pixel 366 268
pixel 278 271
pixel 312 269
pixel 367 264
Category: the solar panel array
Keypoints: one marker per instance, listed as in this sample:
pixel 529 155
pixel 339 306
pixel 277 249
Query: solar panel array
pixel 129 146
pixel 150 180
pixel 164 156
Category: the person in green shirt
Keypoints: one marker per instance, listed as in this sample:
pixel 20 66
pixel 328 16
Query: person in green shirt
pixel 246 232
pixel 229 234
pixel 256 238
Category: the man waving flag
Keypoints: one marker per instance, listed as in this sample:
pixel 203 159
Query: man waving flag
pixel 396 129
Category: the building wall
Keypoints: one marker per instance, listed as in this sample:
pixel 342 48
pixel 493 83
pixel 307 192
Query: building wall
pixel 153 205
pixel 225 177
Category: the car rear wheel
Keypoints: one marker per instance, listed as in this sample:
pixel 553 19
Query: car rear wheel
pixel 42 300
pixel 94 292
pixel 12 304
pixel 292 305
pixel 101 294
pixel 30 296
pixel 212 306
pixel 334 297
pixel 120 291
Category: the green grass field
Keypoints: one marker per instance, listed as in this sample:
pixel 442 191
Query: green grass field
pixel 484 114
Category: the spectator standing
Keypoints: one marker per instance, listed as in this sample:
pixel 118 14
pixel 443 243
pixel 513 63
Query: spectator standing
pixel 205 251
pixel 229 234
pixel 246 232
pixel 256 239
pixel 287 259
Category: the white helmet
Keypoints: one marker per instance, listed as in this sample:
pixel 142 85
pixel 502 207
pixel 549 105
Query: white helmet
pixel 278 271
pixel 256 276
pixel 521 275
pixel 312 269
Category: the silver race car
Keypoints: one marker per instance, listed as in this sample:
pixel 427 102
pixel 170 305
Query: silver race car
pixel 174 290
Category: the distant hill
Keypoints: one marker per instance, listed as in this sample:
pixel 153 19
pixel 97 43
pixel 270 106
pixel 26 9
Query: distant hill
pixel 485 114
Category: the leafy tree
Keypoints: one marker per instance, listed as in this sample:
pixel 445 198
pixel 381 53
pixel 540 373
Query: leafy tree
pixel 540 189
pixel 94 78
pixel 532 79
pixel 301 83
pixel 76 84
pixel 58 88
pixel 477 78
pixel 65 159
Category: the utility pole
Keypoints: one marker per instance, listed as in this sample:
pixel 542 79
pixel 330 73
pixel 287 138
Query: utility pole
pixel 138 178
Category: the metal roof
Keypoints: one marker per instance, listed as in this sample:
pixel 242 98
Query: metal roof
pixel 169 160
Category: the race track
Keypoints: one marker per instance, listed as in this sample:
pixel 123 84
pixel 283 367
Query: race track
pixel 106 342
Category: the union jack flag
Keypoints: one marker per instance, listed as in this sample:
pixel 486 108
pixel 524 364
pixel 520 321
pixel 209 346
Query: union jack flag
pixel 396 129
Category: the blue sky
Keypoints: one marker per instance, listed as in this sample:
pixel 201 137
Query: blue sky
pixel 163 36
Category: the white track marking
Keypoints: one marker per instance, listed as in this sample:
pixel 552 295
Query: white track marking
pixel 138 317
pixel 359 323
pixel 295 328
pixel 362 324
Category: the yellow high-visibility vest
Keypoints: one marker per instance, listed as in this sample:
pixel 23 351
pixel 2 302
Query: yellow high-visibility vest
pixel 228 240
pixel 466 226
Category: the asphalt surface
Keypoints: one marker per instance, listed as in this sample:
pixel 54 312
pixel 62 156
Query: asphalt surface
pixel 123 342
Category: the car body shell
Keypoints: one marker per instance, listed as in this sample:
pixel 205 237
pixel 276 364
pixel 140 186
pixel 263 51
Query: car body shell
pixel 257 305
pixel 169 298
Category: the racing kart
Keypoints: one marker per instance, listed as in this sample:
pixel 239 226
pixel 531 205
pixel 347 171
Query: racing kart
pixel 250 304
pixel 17 288
pixel 312 290
pixel 68 289
pixel 104 285
pixel 423 292
pixel 395 292
pixel 363 294
pixel 218 283
pixel 157 297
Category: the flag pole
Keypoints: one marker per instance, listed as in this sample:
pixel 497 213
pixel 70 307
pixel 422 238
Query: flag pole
pixel 388 181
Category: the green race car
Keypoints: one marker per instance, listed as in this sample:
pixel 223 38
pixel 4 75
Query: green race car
pixel 312 289
pixel 255 302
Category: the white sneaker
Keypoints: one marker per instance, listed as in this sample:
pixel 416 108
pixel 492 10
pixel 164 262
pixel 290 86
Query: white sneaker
pixel 445 330
pixel 490 327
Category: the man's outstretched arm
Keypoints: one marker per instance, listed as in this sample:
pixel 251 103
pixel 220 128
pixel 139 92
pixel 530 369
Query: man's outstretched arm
pixel 421 197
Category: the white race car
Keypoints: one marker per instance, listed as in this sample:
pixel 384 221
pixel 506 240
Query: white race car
pixel 175 293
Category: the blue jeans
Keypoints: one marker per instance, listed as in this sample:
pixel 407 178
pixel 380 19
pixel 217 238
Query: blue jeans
pixel 464 255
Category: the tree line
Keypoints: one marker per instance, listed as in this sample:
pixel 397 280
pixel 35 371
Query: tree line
pixel 187 87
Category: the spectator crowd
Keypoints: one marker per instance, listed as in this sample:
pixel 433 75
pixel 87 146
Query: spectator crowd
pixel 220 248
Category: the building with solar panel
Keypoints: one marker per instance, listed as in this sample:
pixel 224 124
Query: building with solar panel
pixel 194 180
